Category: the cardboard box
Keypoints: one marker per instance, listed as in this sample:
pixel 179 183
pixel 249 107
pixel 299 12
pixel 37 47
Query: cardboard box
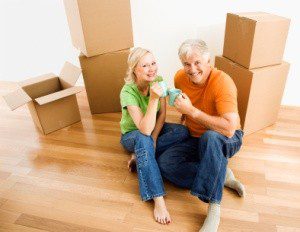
pixel 50 98
pixel 103 77
pixel 259 92
pixel 99 26
pixel 255 39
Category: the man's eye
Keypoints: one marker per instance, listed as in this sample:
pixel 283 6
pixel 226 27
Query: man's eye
pixel 144 66
pixel 153 63
pixel 197 62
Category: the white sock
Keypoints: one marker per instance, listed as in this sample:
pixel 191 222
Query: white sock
pixel 232 183
pixel 212 219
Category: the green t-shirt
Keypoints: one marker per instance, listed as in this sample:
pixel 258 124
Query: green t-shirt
pixel 131 96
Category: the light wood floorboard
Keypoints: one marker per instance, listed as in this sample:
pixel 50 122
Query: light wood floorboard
pixel 76 179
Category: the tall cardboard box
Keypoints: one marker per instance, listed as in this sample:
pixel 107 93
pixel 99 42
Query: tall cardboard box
pixel 259 92
pixel 103 77
pixel 99 26
pixel 255 39
pixel 50 98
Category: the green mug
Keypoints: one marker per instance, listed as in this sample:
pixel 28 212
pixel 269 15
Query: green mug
pixel 173 94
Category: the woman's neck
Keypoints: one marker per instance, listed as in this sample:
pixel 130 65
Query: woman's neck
pixel 143 87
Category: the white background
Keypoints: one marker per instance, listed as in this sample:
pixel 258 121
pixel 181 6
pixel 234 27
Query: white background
pixel 35 38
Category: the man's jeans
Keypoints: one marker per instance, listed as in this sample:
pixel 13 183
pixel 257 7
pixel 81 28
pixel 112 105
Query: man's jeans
pixel 199 164
pixel 150 180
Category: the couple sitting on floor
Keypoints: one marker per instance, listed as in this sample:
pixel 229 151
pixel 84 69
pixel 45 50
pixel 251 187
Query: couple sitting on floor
pixel 193 156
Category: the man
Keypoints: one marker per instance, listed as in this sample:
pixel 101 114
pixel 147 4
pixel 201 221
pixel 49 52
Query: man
pixel 209 105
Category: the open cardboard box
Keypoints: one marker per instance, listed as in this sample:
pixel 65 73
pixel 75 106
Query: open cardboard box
pixel 50 98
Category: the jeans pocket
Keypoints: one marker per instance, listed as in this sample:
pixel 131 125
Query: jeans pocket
pixel 141 157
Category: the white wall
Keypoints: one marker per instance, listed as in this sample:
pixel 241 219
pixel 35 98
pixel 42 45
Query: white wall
pixel 35 39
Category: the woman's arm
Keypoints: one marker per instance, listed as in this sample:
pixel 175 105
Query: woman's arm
pixel 146 123
pixel 161 117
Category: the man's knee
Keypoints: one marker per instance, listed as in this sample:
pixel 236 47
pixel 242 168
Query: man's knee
pixel 210 135
pixel 177 128
pixel 181 130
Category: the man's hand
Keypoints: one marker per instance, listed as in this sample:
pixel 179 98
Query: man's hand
pixel 183 104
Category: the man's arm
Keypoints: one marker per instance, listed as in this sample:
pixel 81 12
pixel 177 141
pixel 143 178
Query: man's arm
pixel 224 124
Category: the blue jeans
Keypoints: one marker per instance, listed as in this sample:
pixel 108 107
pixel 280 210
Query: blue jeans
pixel 199 164
pixel 150 179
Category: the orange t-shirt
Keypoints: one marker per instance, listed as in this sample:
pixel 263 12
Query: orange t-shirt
pixel 217 97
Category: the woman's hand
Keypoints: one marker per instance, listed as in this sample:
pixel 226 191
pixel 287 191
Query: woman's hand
pixel 156 91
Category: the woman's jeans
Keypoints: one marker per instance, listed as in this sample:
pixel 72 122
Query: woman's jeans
pixel 150 180
pixel 199 164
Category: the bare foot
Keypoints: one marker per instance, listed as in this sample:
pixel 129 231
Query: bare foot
pixel 131 164
pixel 161 213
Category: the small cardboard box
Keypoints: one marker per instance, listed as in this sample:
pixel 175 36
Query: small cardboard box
pixel 255 39
pixel 51 99
pixel 259 92
pixel 103 77
pixel 99 26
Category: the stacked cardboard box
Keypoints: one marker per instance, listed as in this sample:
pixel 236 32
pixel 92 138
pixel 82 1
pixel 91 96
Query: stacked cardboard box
pixel 102 31
pixel 252 55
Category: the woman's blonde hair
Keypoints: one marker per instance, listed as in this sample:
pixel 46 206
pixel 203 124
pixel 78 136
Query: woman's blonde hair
pixel 134 57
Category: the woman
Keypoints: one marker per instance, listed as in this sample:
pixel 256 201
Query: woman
pixel 143 127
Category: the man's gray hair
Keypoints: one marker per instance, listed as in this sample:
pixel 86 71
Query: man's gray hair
pixel 193 45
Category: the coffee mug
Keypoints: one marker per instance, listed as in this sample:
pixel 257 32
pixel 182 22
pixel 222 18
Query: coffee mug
pixel 163 85
pixel 173 94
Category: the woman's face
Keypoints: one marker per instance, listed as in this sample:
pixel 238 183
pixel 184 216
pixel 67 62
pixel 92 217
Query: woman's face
pixel 197 68
pixel 146 69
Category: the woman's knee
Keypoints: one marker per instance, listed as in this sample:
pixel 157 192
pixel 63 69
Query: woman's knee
pixel 144 139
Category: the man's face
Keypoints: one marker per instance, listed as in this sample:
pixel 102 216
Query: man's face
pixel 197 68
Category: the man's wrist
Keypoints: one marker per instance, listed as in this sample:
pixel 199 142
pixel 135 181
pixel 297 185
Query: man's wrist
pixel 194 112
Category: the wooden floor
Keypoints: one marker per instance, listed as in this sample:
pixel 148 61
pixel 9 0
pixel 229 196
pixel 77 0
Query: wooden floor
pixel 76 179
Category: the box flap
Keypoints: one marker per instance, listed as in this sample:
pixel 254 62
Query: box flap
pixel 37 79
pixel 16 99
pixel 58 95
pixel 69 75
pixel 260 16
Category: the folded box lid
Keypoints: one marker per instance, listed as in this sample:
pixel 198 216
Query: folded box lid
pixel 69 75
pixel 58 95
pixel 16 99
pixel 259 16
pixel 37 79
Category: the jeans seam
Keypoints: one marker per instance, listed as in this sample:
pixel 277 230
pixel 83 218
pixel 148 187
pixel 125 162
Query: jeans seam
pixel 216 178
pixel 155 195
pixel 145 184
pixel 205 198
